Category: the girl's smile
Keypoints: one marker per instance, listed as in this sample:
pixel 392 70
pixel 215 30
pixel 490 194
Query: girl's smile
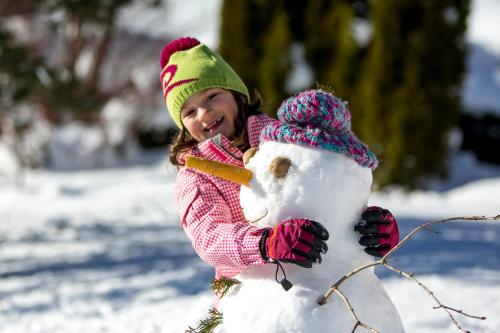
pixel 213 127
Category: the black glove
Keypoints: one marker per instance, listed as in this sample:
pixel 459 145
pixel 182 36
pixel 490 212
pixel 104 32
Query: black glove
pixel 379 229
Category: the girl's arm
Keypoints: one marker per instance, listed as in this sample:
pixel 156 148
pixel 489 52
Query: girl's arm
pixel 207 220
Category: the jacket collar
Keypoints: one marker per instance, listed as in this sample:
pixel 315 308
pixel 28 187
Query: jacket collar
pixel 219 148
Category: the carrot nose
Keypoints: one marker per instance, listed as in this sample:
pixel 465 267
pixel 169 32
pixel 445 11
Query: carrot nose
pixel 225 171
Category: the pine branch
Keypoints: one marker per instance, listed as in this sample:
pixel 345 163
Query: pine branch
pixel 325 87
pixel 209 324
pixel 222 285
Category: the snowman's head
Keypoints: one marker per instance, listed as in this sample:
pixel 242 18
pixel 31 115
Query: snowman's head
pixel 309 164
pixel 292 181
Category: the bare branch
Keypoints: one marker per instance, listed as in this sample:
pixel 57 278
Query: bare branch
pixel 324 299
pixel 353 314
pixel 384 262
pixel 424 226
pixel 75 43
pixel 19 7
pixel 429 292
pixel 260 218
pixel 461 312
pixel 100 53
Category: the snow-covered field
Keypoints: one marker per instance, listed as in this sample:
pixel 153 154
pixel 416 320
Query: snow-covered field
pixel 102 251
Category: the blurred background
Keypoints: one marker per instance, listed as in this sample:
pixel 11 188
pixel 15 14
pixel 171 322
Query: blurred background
pixel 89 234
pixel 80 89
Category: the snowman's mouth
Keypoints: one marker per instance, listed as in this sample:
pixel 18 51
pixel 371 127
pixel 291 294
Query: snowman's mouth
pixel 264 214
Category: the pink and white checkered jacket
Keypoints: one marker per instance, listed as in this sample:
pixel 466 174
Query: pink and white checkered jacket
pixel 209 207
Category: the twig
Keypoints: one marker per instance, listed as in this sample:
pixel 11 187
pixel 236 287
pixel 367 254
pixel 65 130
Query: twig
pixel 429 292
pixel 383 261
pixel 260 218
pixel 324 299
pixel 353 314
pixel 424 226
pixel 459 311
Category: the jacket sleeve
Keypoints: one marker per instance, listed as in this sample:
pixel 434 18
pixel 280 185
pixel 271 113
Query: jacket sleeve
pixel 255 124
pixel 207 220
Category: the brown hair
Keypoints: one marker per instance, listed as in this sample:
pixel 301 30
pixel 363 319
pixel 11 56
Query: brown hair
pixel 183 141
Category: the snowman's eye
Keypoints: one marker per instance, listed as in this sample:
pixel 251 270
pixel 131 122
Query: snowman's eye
pixel 279 166
pixel 249 154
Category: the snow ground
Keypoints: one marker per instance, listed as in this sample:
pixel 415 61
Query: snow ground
pixel 102 251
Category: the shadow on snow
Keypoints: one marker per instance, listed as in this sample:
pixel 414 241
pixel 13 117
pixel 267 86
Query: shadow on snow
pixel 450 248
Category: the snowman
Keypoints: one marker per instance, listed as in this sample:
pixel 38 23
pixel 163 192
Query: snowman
pixel 309 165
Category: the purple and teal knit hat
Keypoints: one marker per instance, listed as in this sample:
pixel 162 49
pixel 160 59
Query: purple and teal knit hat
pixel 318 119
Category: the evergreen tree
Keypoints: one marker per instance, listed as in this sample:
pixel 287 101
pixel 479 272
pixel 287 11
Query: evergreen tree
pixel 235 45
pixel 17 72
pixel 408 92
pixel 330 46
pixel 255 40
pixel 402 87
pixel 275 62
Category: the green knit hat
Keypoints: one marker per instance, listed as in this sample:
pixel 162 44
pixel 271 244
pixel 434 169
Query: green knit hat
pixel 188 67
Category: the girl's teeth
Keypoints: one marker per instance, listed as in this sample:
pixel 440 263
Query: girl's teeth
pixel 217 121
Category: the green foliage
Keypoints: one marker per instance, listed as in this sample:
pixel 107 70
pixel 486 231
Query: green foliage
pixel 255 41
pixel 209 324
pixel 243 26
pixel 17 71
pixel 330 46
pixel 408 93
pixel 222 285
pixel 26 76
pixel 72 96
pixel 402 86
pixel 274 64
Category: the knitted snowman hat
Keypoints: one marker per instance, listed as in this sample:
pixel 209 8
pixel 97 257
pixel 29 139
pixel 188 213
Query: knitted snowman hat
pixel 318 119
pixel 188 67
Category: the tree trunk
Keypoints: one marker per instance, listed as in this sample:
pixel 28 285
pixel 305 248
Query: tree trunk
pixel 100 54
pixel 18 7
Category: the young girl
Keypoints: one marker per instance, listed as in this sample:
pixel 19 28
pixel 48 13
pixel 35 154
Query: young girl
pixel 217 120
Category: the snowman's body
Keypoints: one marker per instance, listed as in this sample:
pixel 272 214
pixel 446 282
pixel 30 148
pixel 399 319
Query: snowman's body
pixel 329 188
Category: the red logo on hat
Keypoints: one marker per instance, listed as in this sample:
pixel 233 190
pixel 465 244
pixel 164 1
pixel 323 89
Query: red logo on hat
pixel 168 84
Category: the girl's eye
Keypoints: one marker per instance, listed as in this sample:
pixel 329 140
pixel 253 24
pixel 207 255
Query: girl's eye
pixel 212 96
pixel 187 113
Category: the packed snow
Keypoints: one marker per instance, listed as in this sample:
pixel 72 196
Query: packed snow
pixel 102 251
pixel 326 187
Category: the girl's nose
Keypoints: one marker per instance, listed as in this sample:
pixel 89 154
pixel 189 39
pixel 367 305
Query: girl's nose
pixel 202 111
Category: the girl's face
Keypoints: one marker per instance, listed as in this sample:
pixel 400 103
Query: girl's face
pixel 210 112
